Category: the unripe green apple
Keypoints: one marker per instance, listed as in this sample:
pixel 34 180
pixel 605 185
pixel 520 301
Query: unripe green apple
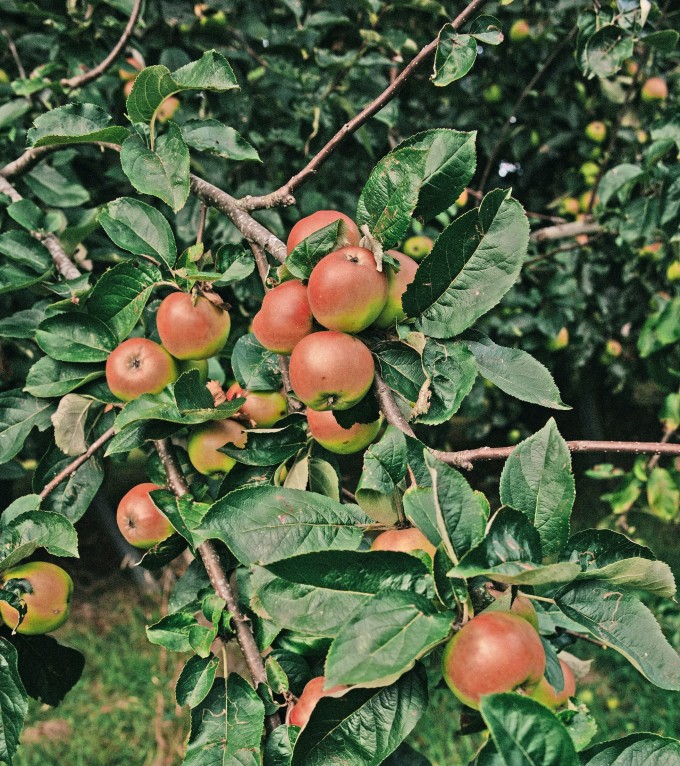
pixel 404 540
pixel 204 443
pixel 519 30
pixel 654 89
pixel 331 370
pixel 263 408
pixel 585 198
pixel 346 291
pixel 4 77
pixel 201 365
pixel 326 430
pixel 673 271
pixel 494 652
pixel 397 282
pixel 569 206
pixel 285 317
pixel 139 366
pixel 305 227
pixel 492 94
pixel 596 131
pixel 418 247
pixel 46 591
pixel 192 328
pixel 589 171
pixel 311 694
pixel 546 694
pixel 139 519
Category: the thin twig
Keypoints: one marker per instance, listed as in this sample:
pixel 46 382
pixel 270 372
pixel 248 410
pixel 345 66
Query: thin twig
pixel 15 54
pixel 201 223
pixel 284 194
pixel 566 230
pixel 98 71
pixel 218 578
pixel 75 465
pixel 654 460
pixel 261 263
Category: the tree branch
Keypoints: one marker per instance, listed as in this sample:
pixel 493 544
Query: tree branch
pixel 218 578
pixel 566 230
pixel 75 465
pixel 98 71
pixel 284 194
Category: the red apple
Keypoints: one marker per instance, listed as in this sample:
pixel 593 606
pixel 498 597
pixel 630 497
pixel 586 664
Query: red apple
pixel 192 329
pixel 46 591
pixel 519 30
pixel 522 606
pixel 404 540
pixel 305 227
pixel 397 282
pixel 495 652
pixel 140 521
pixel 343 441
pixel 546 693
pixel 204 443
pixel 346 291
pixel 263 408
pixel 285 317
pixel 596 131
pixel 655 89
pixel 139 366
pixel 311 694
pixel 331 370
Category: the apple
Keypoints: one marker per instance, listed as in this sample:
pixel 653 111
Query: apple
pixel 631 67
pixel 186 365
pixel 492 653
pixel 192 328
pixel 326 430
pixel 46 591
pixel 546 694
pixel 673 271
pixel 493 94
pixel 596 131
pixel 560 341
pixel 305 227
pixel 462 198
pixel 589 171
pixel 204 443
pixel 584 200
pixel 418 247
pixel 397 282
pixel 346 291
pixel 519 30
pixel 404 540
pixel 569 206
pixel 521 606
pixel 311 694
pixel 263 408
pixel 284 318
pixel 167 110
pixel 140 521
pixel 653 249
pixel 331 370
pixel 613 347
pixel 654 89
pixel 139 366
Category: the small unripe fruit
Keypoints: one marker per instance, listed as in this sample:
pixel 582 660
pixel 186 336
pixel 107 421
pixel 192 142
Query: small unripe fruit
pixel 585 198
pixel 204 443
pixel 596 131
pixel 560 341
pixel 546 694
pixel 493 653
pixel 654 89
pixel 326 430
pixel 589 171
pixel 614 348
pixel 263 408
pixel 493 94
pixel 462 198
pixel 311 694
pixel 305 227
pixel 285 317
pixel 192 330
pixel 139 366
pixel 346 291
pixel 46 591
pixel 569 206
pixel 673 271
pixel 397 282
pixel 404 540
pixel 140 521
pixel 519 30
pixel 418 247
pixel 331 371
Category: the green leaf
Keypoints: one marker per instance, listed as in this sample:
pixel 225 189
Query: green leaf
pixel 55 188
pixel 21 324
pixel 278 749
pixel 233 262
pixel 402 369
pixel 69 424
pixel 227 727
pixel 75 124
pixel 619 181
pixel 26 262
pixel 50 378
pixel 154 84
pixel 663 40
pixel 172 631
pixel 621 621
pixel 304 256
pixel 19 414
pixel 76 337
pixel 266 524
pixel 632 750
pixel 255 368
pixel 663 494
pixel 384 467
pixel 48 669
pixel 394 629
pixel 11 111
pixel 140 229
pixel 515 372
pixel 162 172
pixel 420 509
pixel 24 534
pixel 451 371
pixel 526 733
pixel 487 29
pixel 390 195
pixel 216 138
pixel 13 702
pixel 271 446
pixel 537 480
pixel 455 56
pixel 163 406
pixel 196 680
pixel 26 213
pixel 605 51
pixel 73 496
pixel 389 714
pixel 473 263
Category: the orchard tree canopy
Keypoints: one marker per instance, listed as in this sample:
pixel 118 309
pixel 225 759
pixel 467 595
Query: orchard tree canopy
pixel 343 277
